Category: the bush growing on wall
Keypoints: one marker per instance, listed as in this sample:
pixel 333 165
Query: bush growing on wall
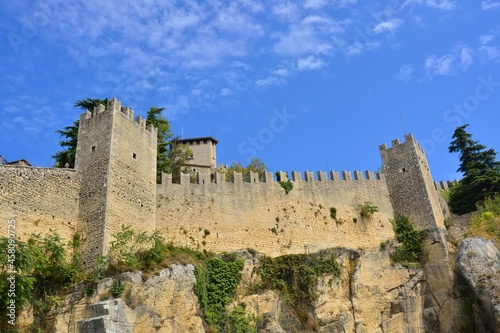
pixel 410 250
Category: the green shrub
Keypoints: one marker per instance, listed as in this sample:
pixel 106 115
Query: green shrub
pixel 333 212
pixel 486 223
pixel 410 250
pixel 296 275
pixel 44 268
pixel 117 288
pixel 239 322
pixel 216 283
pixel 367 209
pixel 287 185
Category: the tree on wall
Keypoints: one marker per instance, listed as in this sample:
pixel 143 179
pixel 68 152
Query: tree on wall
pixel 70 133
pixel 170 156
pixel 255 165
pixel 480 169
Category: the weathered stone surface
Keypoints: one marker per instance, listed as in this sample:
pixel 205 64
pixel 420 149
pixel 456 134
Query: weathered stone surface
pixel 479 263
pixel 105 317
pixel 164 303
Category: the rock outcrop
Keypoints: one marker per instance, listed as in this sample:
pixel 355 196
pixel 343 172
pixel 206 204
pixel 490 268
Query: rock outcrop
pixel 479 263
pixel 163 303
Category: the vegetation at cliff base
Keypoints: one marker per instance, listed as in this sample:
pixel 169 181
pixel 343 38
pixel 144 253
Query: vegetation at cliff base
pixel 43 268
pixel 216 283
pixel 481 173
pixel 295 277
pixel 486 222
pixel 411 248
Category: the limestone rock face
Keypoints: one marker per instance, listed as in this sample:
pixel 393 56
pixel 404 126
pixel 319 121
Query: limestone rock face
pixel 371 295
pixel 479 262
pixel 164 303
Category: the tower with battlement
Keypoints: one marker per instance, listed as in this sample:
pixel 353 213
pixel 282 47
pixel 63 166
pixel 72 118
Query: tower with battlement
pixel 116 155
pixel 204 154
pixel 411 187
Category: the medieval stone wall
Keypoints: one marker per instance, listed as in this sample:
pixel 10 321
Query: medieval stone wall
pixel 39 199
pixel 225 216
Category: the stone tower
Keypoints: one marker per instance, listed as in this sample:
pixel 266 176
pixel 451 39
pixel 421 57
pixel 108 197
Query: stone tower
pixel 117 157
pixel 204 154
pixel 410 183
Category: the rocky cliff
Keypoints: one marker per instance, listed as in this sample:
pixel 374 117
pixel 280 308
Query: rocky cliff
pixel 479 263
pixel 371 294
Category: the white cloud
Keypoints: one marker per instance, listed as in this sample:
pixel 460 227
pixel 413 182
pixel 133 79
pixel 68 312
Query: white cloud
pixel 226 92
pixel 405 73
pixel 441 4
pixel 466 58
pixel 459 59
pixel 310 63
pixel 268 81
pixel 486 39
pixel 489 52
pixel 389 26
pixel 486 5
pixel 288 11
pixel 315 4
pixel 440 66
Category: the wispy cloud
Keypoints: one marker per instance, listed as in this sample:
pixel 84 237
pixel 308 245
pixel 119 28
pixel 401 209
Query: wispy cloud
pixel 441 4
pixel 458 60
pixel 486 39
pixel 405 73
pixel 487 5
pixel 310 63
pixel 389 26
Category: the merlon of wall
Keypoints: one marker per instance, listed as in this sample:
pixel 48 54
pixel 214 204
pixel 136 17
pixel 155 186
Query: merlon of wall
pixel 445 185
pixel 115 106
pixel 408 138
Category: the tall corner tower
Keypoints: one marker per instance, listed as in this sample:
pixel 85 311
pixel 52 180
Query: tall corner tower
pixel 117 157
pixel 410 183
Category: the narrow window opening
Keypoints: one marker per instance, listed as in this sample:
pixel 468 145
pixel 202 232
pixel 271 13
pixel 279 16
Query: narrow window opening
pixel 93 148
pixel 134 156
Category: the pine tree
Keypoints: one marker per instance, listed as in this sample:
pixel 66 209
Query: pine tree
pixel 70 133
pixel 480 169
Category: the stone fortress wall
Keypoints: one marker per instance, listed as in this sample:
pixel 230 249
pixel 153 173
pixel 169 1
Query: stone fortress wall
pixel 261 215
pixel 39 199
pixel 114 185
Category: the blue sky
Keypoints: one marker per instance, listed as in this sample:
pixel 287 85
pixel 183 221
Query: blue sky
pixel 303 85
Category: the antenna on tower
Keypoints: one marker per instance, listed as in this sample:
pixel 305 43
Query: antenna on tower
pixel 402 121
pixel 182 132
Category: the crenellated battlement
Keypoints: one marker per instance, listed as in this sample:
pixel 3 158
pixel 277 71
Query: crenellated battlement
pixel 409 140
pixel 115 107
pixel 444 185
pixel 201 178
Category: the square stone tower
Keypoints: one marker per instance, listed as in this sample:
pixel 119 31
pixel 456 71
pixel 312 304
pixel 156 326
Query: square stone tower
pixel 117 157
pixel 410 183
pixel 204 157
